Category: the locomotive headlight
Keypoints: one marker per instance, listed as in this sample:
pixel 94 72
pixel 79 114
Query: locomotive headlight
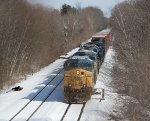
pixel 67 74
pixel 69 85
pixel 88 75
pixel 84 85
pixel 78 72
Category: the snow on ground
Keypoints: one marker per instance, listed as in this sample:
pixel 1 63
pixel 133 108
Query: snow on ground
pixel 11 102
pixel 54 107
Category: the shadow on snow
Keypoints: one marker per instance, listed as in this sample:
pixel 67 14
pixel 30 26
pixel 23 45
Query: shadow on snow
pixel 39 94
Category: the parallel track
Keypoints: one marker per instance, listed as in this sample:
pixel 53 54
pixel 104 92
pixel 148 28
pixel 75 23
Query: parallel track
pixel 44 100
pixel 37 95
pixel 34 112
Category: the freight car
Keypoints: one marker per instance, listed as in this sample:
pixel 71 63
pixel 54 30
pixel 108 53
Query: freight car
pixel 102 39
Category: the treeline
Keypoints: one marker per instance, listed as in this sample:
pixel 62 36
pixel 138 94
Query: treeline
pixel 31 37
pixel 131 74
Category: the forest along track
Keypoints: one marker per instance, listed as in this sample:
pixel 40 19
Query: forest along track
pixel 34 98
pixel 70 112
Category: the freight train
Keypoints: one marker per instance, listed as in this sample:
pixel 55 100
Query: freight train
pixel 80 70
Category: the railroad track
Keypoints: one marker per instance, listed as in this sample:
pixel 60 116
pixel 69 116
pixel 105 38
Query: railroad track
pixel 78 114
pixel 44 100
pixel 65 112
pixel 81 112
pixel 34 98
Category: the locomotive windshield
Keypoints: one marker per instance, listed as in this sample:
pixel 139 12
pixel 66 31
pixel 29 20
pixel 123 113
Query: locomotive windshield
pixel 83 64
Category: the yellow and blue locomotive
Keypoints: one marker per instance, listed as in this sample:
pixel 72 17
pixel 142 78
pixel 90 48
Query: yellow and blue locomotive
pixel 78 80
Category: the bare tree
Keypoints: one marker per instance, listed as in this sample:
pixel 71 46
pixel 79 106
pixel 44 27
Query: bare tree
pixel 130 22
pixel 32 36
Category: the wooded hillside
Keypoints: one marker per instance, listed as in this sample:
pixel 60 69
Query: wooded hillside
pixel 31 37
pixel 131 74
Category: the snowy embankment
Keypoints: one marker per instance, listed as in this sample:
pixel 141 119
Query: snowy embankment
pixel 101 111
pixel 12 101
pixel 54 107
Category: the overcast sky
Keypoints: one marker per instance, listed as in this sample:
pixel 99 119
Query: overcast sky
pixel 104 5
